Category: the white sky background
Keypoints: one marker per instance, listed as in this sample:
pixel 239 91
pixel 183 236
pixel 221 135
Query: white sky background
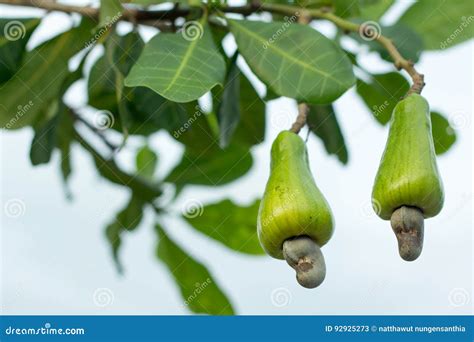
pixel 55 256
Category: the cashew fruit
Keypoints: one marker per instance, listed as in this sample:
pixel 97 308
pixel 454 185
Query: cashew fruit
pixel 294 218
pixel 408 187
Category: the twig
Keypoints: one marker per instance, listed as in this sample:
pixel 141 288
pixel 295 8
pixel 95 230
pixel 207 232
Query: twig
pixel 99 133
pixel 303 109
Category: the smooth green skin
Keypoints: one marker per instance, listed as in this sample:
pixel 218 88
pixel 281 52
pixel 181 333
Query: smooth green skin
pixel 408 174
pixel 292 204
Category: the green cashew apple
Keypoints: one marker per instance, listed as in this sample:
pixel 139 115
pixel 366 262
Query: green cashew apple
pixel 294 218
pixel 408 187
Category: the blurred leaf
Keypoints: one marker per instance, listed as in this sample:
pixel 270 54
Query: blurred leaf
pixel 292 64
pixel 44 141
pixel 111 46
pixel 374 9
pixel 127 219
pixel 241 112
pixel 123 52
pixel 40 78
pixel 346 8
pixel 212 167
pixel 322 121
pixel 110 12
pixel 179 67
pixel 199 290
pixel 230 224
pixel 407 41
pixel 440 23
pixel 382 94
pixel 149 112
pixel 65 138
pixel 16 33
pixel 228 111
pixel 146 161
pixel 251 129
pixel 444 136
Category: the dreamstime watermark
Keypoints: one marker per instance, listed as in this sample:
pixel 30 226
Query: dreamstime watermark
pixel 103 119
pixel 287 22
pixel 47 329
pixel 459 297
pixel 192 30
pixel 14 30
pixel 377 110
pixel 459 120
pixel 370 30
pixel 281 120
pixel 281 297
pixel 192 208
pixel 181 130
pixel 465 22
pixel 21 111
pixel 14 208
pixel 369 208
pixel 199 288
pixel 109 22
pixel 103 297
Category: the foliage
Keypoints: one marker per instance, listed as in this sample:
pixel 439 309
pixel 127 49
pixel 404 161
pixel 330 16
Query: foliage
pixel 138 89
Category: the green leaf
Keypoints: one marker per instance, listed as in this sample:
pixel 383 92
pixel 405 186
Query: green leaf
pixel 295 60
pixel 40 78
pixel 199 290
pixel 44 141
pixel 444 136
pixel 230 224
pixel 322 121
pixel 212 167
pixel 127 220
pixel 382 94
pixel 110 12
pixel 16 33
pixel 146 161
pixel 374 9
pixel 179 67
pixel 441 24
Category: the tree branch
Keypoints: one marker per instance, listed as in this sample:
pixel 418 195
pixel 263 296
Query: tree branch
pixel 94 129
pixel 145 17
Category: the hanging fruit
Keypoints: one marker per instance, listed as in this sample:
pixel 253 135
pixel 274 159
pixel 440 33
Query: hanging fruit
pixel 294 219
pixel 408 187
